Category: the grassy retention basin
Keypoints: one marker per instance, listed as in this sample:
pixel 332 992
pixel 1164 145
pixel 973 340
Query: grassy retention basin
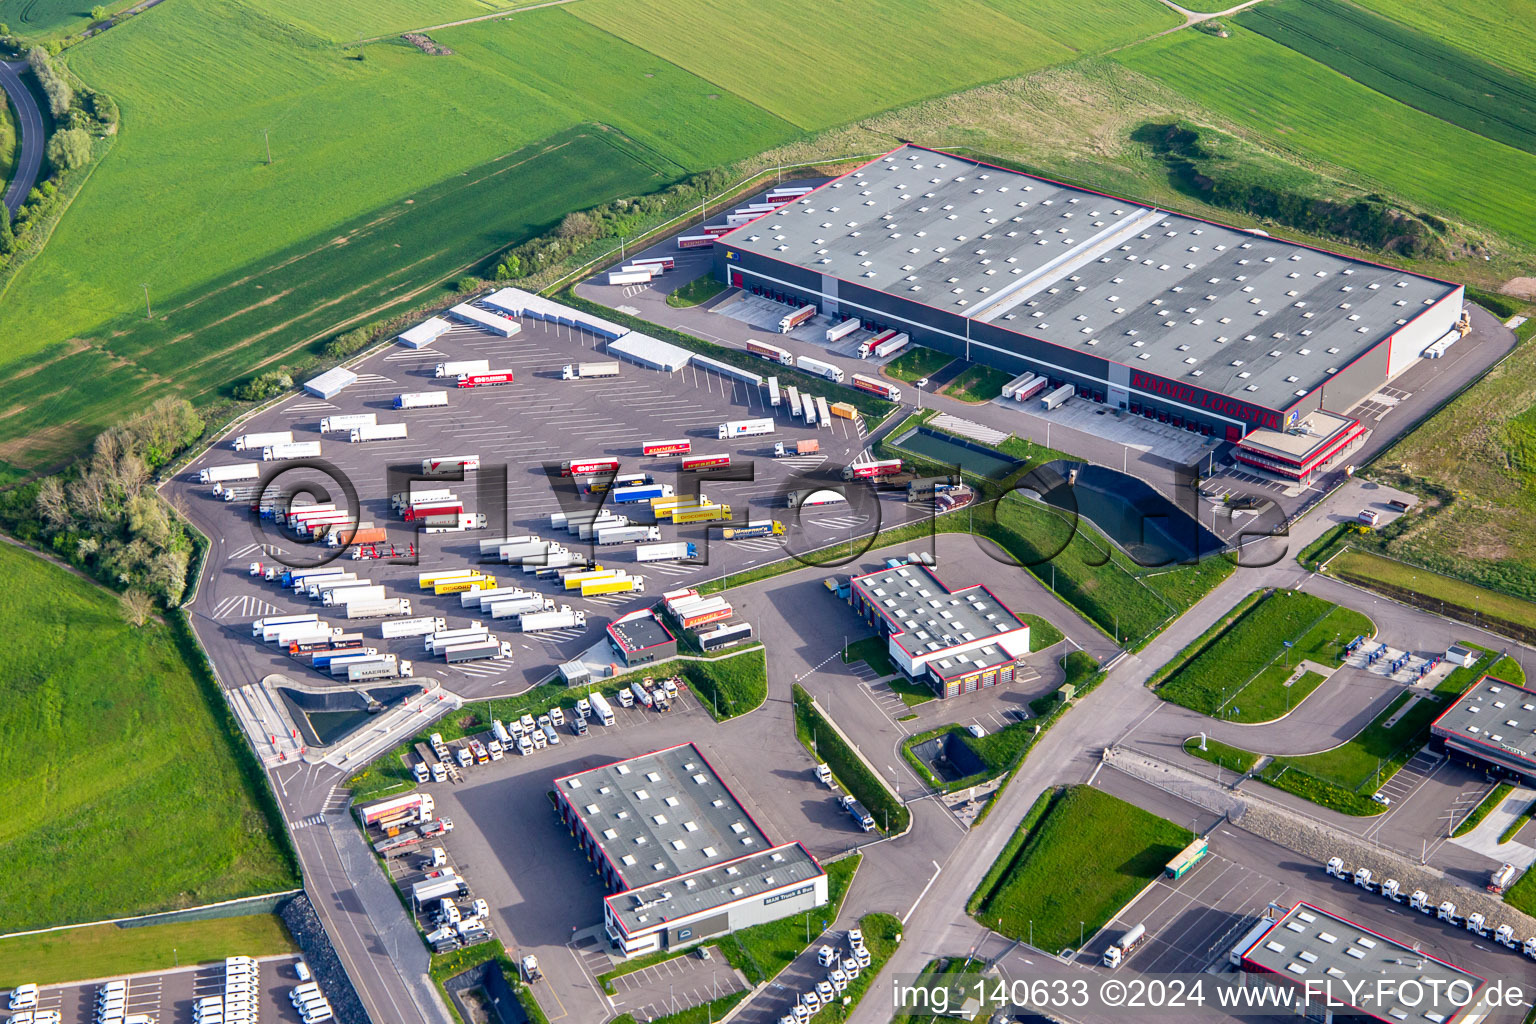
pixel 1087 856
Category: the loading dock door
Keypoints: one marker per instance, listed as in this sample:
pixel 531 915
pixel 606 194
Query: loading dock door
pixel 735 279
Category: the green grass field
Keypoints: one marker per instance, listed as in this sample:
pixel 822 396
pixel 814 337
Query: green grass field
pixel 1412 67
pixel 1089 854
pixel 43 19
pixel 104 950
pixel 978 384
pixel 1322 116
pixel 1455 597
pixel 1500 31
pixel 696 292
pixel 916 363
pixel 134 801
pixel 901 53
pixel 347 22
pixel 1495 797
pixel 207 337
pixel 1222 755
pixel 1241 674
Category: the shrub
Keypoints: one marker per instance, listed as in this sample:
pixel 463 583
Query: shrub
pixel 263 386
pixel 69 149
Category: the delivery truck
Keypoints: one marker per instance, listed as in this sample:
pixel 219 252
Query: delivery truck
pixel 837 332
pixel 872 470
pixel 421 400
pixel 462 366
pixel 819 368
pixel 378 609
pixel 425 626
pixel 601 709
pixel 485 380
pixel 621 584
pixel 665 552
pixel 628 535
pixel 294 450
pixel 789 321
pixel 679 446
pixel 781 450
pixel 643 492
pixel 360 672
pixel 1121 948
pixel 587 371
pixel 449 464
pixel 876 386
pixel 587 467
pixel 420 806
pixel 256 442
pixel 757 528
pixel 379 432
pixel 564 618
pixel 772 352
pixel 347 422
pixel 702 514
pixel 479 651
pixel 341 596
pixel 518 606
pixel 699 463
pixel 743 428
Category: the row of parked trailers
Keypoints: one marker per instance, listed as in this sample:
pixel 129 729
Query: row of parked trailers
pixel 742 215
pixel 329 650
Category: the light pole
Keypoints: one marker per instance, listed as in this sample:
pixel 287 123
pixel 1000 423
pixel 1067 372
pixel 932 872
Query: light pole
pixel 147 314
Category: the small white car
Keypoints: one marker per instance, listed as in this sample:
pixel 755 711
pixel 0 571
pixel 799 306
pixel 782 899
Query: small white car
pixel 550 734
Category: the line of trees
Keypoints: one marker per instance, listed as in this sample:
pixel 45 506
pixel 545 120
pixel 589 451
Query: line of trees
pixel 104 516
pixel 60 96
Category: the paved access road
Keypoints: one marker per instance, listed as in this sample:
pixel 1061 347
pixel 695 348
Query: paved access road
pixel 30 160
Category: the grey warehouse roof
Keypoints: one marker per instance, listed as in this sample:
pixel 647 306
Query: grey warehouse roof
pixel 1309 944
pixel 646 907
pixel 930 615
pixel 639 631
pixel 1493 713
pixel 662 814
pixel 1231 311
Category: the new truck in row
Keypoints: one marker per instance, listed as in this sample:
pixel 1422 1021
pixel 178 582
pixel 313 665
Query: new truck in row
pixel 819 368
pixel 421 400
pixel 587 371
pixel 485 380
pixel 665 552
pixel 782 450
pixel 681 446
pixel 293 450
pixel 772 352
pixel 347 421
pixel 744 428
pixel 256 442
pixel 876 386
pixel 462 366
pixel 757 528
pixel 790 321
pixel 378 432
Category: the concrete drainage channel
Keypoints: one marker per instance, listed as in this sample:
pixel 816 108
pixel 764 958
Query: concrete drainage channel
pixel 500 1000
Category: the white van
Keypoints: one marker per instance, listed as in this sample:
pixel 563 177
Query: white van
pixel 300 991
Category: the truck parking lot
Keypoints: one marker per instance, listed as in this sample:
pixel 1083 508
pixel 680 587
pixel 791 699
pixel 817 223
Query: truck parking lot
pixel 517 432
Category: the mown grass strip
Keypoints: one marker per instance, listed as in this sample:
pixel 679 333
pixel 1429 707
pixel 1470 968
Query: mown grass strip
pixel 1495 797
pixel 811 726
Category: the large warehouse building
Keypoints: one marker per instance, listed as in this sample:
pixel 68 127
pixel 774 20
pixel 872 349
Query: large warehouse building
pixel 1211 328
pixel 1493 726
pixel 684 859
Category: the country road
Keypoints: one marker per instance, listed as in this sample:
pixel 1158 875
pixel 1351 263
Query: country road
pixel 30 162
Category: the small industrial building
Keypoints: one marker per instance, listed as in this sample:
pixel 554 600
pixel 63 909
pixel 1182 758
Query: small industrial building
pixel 424 333
pixel 330 383
pixel 683 859
pixel 957 641
pixel 1214 329
pixel 1310 446
pixel 1309 946
pixel 1493 726
pixel 640 638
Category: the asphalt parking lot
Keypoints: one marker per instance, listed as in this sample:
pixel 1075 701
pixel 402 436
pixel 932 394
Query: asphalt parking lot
pixel 1192 923
pixel 543 895
pixel 516 430
pixel 168 996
